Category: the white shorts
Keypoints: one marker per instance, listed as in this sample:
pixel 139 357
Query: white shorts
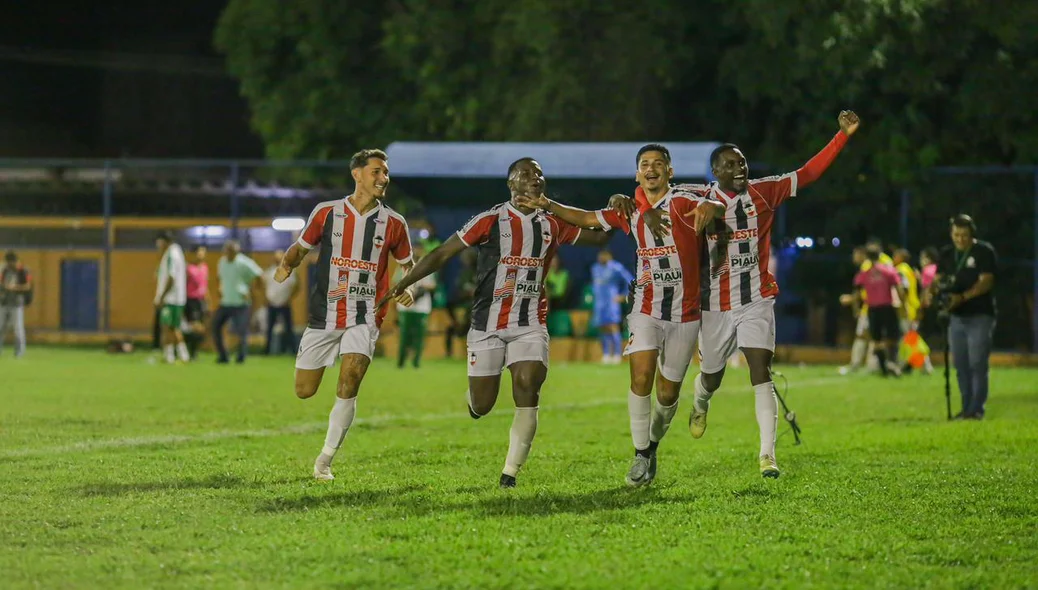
pixel 861 330
pixel 675 342
pixel 749 326
pixel 491 352
pixel 321 348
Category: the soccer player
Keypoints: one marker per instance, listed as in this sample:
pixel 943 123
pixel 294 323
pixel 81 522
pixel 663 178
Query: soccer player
pixel 171 296
pixel 665 317
pixel 738 290
pixel 197 307
pixel 514 245
pixel 356 236
pixel 609 281
pixel 879 282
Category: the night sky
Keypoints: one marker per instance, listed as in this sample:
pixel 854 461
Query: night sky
pixel 117 78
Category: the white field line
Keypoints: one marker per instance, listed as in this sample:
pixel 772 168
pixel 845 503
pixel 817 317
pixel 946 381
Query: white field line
pixel 310 427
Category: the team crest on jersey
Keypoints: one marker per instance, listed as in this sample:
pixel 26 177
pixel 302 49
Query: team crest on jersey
pixel 749 209
pixel 378 241
pixel 546 236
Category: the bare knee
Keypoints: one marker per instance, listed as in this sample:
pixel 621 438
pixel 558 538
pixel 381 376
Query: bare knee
pixel 667 392
pixel 712 381
pixel 483 394
pixel 641 382
pixel 305 390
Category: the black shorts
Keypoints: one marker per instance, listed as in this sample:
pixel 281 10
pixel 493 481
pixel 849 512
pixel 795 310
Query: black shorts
pixel 883 323
pixel 195 310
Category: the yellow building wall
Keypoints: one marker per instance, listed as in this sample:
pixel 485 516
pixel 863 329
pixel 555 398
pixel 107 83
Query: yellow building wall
pixel 133 286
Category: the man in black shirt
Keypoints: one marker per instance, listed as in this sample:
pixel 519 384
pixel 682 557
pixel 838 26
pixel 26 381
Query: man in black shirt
pixel 966 274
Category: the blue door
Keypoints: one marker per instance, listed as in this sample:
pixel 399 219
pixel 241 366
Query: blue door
pixel 79 284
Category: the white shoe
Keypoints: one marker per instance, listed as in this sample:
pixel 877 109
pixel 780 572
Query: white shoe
pixel 323 471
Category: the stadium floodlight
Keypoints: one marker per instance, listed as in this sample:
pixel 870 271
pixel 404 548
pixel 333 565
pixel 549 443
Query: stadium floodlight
pixel 836 242
pixel 423 234
pixel 809 243
pixel 288 223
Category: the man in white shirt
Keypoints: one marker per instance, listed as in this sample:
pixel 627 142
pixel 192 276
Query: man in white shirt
pixel 279 305
pixel 171 296
pixel 413 320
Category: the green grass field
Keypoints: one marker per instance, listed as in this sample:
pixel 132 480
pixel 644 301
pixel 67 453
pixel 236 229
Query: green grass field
pixel 119 473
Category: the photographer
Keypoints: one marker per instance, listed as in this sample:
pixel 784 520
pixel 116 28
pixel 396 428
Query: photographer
pixel 964 298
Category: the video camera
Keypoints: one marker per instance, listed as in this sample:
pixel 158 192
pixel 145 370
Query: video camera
pixel 942 298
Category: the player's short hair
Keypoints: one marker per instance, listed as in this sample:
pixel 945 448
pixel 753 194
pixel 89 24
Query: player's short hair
pixel 360 159
pixel 930 252
pixel 11 256
pixel 715 156
pixel 904 253
pixel 873 252
pixel 653 147
pixel 197 247
pixel 164 235
pixel 963 220
pixel 512 166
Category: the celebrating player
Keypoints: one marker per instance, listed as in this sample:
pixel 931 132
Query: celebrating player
pixel 738 290
pixel 356 235
pixel 514 245
pixel 664 321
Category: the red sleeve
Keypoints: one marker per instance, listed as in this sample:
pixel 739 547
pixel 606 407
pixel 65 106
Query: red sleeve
pixel 814 168
pixel 314 228
pixel 640 200
pixel 568 233
pixel 477 230
pixel 611 219
pixel 859 279
pixel 400 242
pixel 776 189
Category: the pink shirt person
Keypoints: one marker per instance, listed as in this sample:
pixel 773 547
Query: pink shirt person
pixel 928 274
pixel 197 280
pixel 878 282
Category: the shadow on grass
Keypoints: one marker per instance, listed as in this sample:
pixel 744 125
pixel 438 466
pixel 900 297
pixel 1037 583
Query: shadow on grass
pixel 220 481
pixel 550 503
pixel 342 499
pixel 416 501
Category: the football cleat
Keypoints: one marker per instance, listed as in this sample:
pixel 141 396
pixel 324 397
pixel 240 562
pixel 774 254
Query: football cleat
pixel 507 481
pixel 697 422
pixel 768 467
pixel 638 475
pixel 323 471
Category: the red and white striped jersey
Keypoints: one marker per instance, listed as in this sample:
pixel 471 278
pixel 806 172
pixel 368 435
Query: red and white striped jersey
pixel 353 262
pixel 514 251
pixel 667 273
pixel 739 244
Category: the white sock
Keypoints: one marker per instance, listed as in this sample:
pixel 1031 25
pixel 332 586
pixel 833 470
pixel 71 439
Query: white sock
pixel 182 352
pixel 870 357
pixel 339 421
pixel 661 417
pixel 702 397
pixel 520 439
pixel 858 351
pixel 640 409
pixel 170 357
pixel 767 416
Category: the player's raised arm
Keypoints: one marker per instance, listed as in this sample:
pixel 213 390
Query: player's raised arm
pixel 289 262
pixel 431 263
pixel 572 215
pixel 816 166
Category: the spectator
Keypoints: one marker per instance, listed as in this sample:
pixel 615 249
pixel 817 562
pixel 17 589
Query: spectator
pixel 171 297
pixel 15 294
pixel 279 305
pixel 237 272
pixel 966 277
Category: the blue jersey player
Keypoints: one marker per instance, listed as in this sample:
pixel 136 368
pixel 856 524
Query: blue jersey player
pixel 610 280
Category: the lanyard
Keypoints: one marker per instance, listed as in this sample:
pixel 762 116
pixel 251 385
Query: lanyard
pixel 960 260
